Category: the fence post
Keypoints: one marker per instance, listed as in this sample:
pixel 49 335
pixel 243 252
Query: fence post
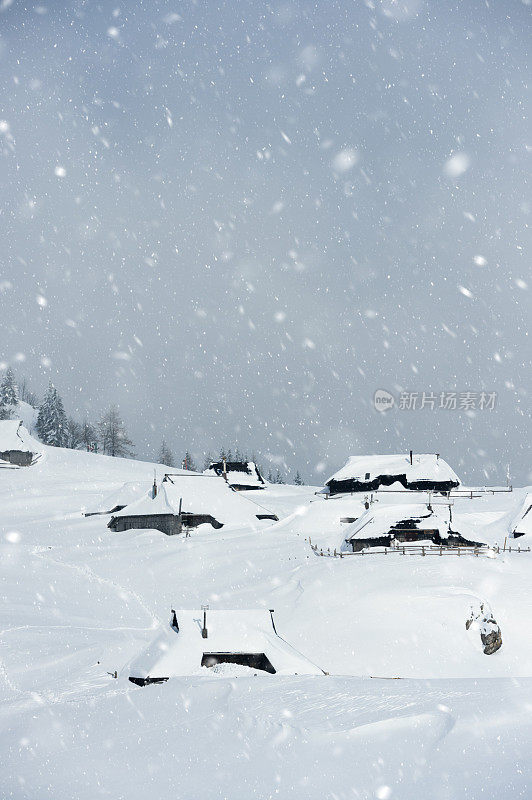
pixel 404 551
pixel 459 551
pixel 335 552
pixel 423 550
pixel 385 551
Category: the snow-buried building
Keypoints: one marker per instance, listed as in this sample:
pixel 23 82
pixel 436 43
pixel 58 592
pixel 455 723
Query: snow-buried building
pixel 185 502
pixel 17 446
pixel 398 524
pixel 236 639
pixel 240 475
pixel 522 523
pixel 415 472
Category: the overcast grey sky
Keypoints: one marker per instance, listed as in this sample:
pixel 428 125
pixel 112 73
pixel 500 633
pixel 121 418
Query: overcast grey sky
pixel 239 220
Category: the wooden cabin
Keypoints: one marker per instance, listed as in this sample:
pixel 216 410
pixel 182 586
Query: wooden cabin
pixel 413 472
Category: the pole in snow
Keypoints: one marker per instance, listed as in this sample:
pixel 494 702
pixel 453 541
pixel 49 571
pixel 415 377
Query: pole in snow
pixel 204 633
pixel 273 623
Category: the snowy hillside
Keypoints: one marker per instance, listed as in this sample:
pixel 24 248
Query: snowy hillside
pixel 81 603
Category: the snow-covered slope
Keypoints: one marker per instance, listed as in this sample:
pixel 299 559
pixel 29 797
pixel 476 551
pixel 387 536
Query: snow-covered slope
pixel 80 603
pixel 14 436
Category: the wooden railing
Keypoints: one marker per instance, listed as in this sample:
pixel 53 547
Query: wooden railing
pixel 419 550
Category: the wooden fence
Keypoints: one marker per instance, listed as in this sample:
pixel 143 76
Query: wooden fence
pixel 418 550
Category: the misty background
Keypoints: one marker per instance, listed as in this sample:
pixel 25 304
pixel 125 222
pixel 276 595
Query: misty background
pixel 239 220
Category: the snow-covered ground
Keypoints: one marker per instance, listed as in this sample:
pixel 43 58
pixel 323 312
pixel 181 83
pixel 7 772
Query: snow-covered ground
pixel 81 602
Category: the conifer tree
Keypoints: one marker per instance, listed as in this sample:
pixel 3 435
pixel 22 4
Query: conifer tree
pixel 188 462
pixel 165 455
pixel 52 421
pixel 8 389
pixel 113 436
pixel 208 460
pixel 298 480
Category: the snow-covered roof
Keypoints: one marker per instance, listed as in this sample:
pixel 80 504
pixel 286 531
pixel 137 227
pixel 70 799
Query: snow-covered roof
pixel 200 494
pixel 147 505
pixel 238 473
pixel 173 654
pixel 522 521
pixel 424 467
pixel 128 493
pixel 14 436
pixel 378 520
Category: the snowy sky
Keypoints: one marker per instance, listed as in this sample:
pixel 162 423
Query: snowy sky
pixel 239 220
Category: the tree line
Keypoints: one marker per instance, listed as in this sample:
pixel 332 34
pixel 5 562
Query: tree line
pixel 53 427
pixel 108 435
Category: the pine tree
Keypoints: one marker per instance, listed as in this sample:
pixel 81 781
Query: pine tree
pixel 52 422
pixel 165 455
pixel 8 389
pixel 113 436
pixel 207 461
pixel 188 462
pixel 279 478
pixel 298 480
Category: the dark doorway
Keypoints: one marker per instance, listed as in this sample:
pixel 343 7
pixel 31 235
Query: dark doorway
pixel 253 660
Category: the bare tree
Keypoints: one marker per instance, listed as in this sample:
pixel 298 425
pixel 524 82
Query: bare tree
pixel 73 434
pixel 89 435
pixel 26 394
pixel 113 436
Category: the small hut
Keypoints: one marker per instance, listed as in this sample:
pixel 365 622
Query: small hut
pixel 184 502
pixel 151 512
pixel 414 472
pixel 236 639
pixel 400 524
pixel 17 446
pixel 242 476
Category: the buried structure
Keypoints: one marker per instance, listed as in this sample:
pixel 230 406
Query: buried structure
pixel 414 472
pixel 521 524
pixel 394 525
pixel 240 475
pixel 184 502
pixel 198 642
pixel 17 446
